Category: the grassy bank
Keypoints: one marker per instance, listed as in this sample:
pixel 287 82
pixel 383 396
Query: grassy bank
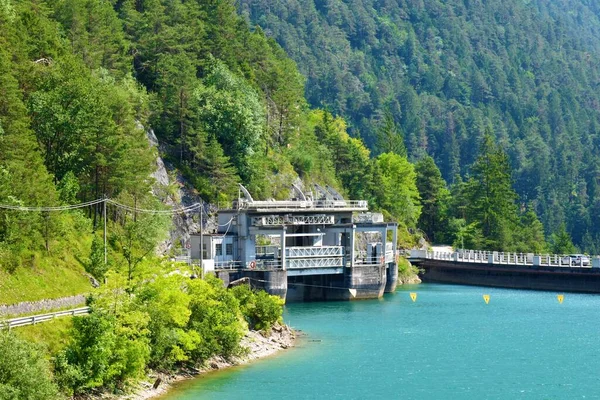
pixel 48 279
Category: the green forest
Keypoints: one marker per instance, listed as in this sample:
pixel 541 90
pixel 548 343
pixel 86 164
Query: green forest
pixel 468 123
pixel 447 71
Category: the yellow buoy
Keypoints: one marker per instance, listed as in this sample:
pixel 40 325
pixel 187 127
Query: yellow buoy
pixel 413 296
pixel 486 298
pixel 560 298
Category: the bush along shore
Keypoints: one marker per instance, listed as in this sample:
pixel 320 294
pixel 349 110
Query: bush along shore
pixel 259 344
pixel 408 274
pixel 150 320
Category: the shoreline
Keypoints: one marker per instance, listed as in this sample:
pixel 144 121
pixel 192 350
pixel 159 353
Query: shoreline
pixel 281 337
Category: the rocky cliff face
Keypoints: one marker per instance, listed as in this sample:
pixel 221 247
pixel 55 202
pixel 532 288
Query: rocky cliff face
pixel 174 190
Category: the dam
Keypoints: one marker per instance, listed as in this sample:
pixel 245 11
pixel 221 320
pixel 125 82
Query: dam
pixel 509 270
pixel 314 247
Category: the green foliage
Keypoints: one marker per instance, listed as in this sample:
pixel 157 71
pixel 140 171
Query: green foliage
pixel 215 315
pixel 483 210
pixel 96 265
pixel 491 199
pixel 446 70
pixel 435 199
pixel 399 191
pixel 389 136
pixel 135 237
pixel 104 351
pixel 24 373
pixel 561 242
pixel 406 269
pixel 260 309
pixel 53 335
pixel 168 306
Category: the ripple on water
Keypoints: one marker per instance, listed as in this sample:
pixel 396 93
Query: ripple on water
pixel 448 344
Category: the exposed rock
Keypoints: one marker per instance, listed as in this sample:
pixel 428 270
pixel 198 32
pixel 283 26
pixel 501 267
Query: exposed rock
pixel 409 280
pixel 259 346
pixel 177 193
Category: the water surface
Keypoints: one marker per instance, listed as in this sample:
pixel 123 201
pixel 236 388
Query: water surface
pixel 448 344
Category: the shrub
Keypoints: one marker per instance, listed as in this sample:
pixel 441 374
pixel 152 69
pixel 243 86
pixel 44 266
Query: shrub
pixel 405 268
pixel 105 351
pixel 260 309
pixel 216 317
pixel 24 373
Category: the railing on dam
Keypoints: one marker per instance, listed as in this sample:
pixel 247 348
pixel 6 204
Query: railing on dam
pixel 507 258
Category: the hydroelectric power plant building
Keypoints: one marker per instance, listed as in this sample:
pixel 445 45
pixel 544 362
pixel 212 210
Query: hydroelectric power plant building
pixel 314 247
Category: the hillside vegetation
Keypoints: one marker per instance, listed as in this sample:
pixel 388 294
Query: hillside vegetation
pixel 82 81
pixel 447 71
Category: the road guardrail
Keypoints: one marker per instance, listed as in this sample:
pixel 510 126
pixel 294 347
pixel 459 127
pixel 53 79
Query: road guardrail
pixel 35 319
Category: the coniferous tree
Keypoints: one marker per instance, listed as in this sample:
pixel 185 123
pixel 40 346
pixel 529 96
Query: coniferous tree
pixel 434 199
pixel 490 196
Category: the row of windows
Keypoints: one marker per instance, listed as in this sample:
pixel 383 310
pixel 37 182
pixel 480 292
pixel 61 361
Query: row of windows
pixel 228 249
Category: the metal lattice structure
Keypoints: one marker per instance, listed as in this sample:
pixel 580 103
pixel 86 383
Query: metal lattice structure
pixel 319 251
pixel 297 263
pixel 278 220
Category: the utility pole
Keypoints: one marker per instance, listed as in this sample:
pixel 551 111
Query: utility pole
pixel 104 211
pixel 201 242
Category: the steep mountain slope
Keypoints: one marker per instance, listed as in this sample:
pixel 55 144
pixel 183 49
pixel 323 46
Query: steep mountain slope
pixel 447 70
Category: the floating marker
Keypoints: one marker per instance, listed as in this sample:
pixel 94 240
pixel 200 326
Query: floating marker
pixel 486 298
pixel 560 298
pixel 413 296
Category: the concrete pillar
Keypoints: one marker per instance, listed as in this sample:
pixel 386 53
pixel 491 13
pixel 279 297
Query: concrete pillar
pixel 490 258
pixel 596 262
pixel 392 268
pixel 283 231
pixel 352 238
pixel 383 244
pixel 537 261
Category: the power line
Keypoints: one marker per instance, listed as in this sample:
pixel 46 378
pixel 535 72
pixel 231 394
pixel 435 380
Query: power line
pixel 193 207
pixel 51 208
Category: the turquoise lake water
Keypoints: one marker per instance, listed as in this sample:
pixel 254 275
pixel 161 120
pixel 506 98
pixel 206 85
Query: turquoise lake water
pixel 447 345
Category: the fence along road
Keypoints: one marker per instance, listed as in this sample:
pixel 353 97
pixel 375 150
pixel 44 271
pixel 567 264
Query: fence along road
pixel 34 319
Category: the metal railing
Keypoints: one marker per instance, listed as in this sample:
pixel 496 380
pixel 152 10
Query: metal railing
pixel 297 205
pixel 363 258
pixel 35 319
pixel 230 264
pixel 505 258
pixel 267 251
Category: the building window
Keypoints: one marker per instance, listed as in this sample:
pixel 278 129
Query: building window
pixel 218 249
pixel 229 249
pixel 204 255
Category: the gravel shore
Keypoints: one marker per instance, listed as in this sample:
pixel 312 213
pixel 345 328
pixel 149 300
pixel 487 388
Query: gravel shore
pixel 259 346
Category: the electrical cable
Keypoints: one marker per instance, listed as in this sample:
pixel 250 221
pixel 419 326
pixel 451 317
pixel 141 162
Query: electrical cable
pixel 98 201
pixel 149 211
pixel 50 208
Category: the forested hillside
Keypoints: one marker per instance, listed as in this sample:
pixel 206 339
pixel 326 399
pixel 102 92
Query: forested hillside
pixel 81 83
pixel 447 70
